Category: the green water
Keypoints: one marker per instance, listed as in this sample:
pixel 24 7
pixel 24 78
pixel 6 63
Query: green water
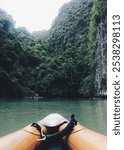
pixel 15 114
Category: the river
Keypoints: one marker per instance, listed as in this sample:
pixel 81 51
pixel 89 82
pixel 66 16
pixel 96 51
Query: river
pixel 17 113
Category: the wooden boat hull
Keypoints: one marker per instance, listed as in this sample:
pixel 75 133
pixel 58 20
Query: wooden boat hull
pixel 24 139
pixel 80 138
pixel 85 139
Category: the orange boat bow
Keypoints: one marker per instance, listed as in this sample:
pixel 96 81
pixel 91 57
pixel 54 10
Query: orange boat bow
pixel 19 140
pixel 82 138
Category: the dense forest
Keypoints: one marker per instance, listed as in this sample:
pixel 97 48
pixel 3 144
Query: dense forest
pixel 60 62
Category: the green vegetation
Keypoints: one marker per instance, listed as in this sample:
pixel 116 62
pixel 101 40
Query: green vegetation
pixel 54 63
pixel 97 13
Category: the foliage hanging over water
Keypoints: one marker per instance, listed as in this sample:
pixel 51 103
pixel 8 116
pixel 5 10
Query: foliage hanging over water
pixel 54 63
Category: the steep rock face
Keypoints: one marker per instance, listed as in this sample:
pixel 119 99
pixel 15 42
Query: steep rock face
pixel 100 75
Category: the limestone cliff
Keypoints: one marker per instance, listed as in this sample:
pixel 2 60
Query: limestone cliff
pixel 100 77
pixel 100 71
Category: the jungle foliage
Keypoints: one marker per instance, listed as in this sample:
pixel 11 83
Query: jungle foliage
pixel 54 63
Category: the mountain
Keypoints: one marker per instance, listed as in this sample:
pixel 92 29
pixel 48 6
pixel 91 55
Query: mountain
pixel 69 60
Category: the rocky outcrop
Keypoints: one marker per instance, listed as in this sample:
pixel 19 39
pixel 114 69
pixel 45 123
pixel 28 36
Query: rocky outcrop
pixel 100 74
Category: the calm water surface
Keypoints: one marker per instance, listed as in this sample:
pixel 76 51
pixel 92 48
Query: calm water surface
pixel 15 114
